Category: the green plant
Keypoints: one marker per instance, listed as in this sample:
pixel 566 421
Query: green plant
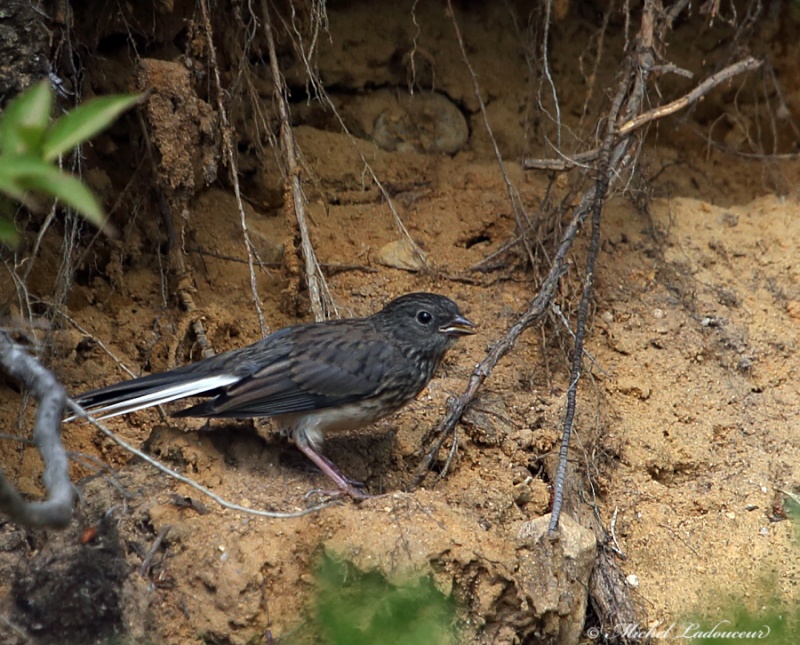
pixel 30 145
pixel 356 608
pixel 775 622
pixel 763 616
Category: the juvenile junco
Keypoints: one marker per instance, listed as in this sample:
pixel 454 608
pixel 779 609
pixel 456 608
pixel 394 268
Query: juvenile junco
pixel 314 379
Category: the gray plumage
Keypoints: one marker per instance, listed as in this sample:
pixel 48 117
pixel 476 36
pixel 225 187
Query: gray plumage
pixel 314 378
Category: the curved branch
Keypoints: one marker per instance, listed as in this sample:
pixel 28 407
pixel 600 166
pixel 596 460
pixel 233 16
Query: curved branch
pixel 56 510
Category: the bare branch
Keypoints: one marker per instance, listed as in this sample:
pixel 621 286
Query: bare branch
pixel 56 511
pixel 319 89
pixel 747 65
pixel 634 123
pixel 520 214
pixel 81 413
pixel 314 276
pixel 228 146
pixel 537 308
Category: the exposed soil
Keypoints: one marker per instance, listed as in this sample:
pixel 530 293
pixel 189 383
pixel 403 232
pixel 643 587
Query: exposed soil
pixel 687 421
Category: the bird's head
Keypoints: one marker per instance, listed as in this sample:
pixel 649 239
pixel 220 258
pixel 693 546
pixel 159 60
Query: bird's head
pixel 427 322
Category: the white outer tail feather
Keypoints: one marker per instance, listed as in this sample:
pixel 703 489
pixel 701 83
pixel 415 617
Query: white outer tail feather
pixel 165 395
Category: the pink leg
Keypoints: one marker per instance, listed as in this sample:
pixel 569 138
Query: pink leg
pixel 327 467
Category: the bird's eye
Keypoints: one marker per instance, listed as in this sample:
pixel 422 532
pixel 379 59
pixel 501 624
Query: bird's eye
pixel 424 318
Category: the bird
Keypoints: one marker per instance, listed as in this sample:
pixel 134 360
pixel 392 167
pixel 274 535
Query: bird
pixel 314 379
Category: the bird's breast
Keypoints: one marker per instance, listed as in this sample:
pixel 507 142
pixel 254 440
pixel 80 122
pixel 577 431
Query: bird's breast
pixel 316 424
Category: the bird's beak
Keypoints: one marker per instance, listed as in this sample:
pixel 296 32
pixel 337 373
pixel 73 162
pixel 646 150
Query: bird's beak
pixel 458 326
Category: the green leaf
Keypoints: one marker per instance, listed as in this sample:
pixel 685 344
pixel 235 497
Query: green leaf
pixel 69 190
pixel 8 180
pixel 8 232
pixel 84 122
pixel 30 173
pixel 364 608
pixel 25 120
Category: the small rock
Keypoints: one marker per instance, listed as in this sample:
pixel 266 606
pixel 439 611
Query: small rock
pixel 487 420
pixel 270 251
pixel 557 574
pixel 403 254
pixel 427 123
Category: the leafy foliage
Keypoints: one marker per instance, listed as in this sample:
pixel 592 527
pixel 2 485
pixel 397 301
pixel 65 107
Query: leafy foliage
pixel 762 615
pixel 30 144
pixel 356 608
pixel 774 622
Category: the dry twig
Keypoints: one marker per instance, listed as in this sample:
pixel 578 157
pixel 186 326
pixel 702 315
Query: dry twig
pixel 314 277
pixel 144 569
pixel 523 220
pixel 56 511
pixel 537 308
pixel 638 121
pixel 319 89
pixel 82 414
pixel 228 146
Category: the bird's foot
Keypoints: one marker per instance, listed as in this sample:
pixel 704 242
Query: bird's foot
pixel 346 486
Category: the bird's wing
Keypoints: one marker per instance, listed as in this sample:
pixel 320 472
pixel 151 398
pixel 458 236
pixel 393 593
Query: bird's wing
pixel 321 370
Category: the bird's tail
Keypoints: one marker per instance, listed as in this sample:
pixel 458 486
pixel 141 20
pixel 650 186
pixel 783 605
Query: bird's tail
pixel 149 391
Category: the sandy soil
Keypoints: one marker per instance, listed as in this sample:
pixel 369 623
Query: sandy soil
pixel 687 425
